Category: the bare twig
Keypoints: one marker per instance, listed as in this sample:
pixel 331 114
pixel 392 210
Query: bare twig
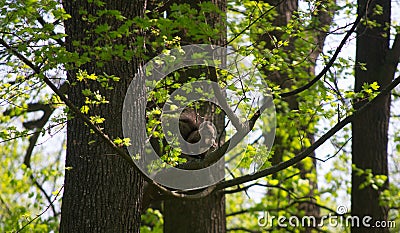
pixel 44 211
pixel 334 155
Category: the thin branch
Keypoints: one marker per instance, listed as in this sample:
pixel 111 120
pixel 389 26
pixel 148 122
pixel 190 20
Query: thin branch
pixel 331 32
pixel 28 134
pixel 294 202
pixel 74 109
pixel 240 189
pixel 5 205
pixel 329 64
pixel 223 184
pixel 252 23
pixel 334 155
pixel 304 154
pixel 43 23
pixel 119 150
pixel 44 211
pixel 47 196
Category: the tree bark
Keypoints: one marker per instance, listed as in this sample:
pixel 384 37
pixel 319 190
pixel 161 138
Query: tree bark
pixel 102 193
pixel 206 215
pixel 196 216
pixel 370 130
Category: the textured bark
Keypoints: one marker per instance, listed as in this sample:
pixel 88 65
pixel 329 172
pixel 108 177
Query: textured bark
pixel 370 130
pixel 102 193
pixel 206 215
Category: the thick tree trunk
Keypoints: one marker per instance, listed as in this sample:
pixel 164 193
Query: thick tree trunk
pixel 102 192
pixel 206 215
pixel 370 130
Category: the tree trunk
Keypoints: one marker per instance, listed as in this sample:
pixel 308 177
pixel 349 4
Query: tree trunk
pixel 102 192
pixel 370 130
pixel 206 215
pixel 195 216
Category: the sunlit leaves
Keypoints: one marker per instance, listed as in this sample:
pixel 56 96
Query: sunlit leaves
pixel 281 52
pixel 20 200
pixel 122 142
pixel 85 109
pixel 374 181
pixel 97 119
pixel 152 221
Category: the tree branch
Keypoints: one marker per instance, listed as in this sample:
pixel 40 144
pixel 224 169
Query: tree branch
pixel 240 189
pixel 37 125
pixel 304 154
pixel 74 109
pixel 393 55
pixel 44 211
pixel 43 23
pixel 215 155
pixel 119 150
pixel 252 23
pixel 223 184
pixel 329 64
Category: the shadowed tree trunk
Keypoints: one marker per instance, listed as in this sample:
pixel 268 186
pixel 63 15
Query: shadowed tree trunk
pixel 206 215
pixel 370 130
pixel 102 192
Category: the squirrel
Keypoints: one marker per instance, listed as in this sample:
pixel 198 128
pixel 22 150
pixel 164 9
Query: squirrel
pixel 193 129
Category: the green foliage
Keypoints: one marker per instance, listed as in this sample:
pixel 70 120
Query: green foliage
pixel 375 181
pixel 20 199
pixel 281 51
pixel 152 222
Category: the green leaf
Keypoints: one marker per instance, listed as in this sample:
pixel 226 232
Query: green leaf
pixel 375 86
